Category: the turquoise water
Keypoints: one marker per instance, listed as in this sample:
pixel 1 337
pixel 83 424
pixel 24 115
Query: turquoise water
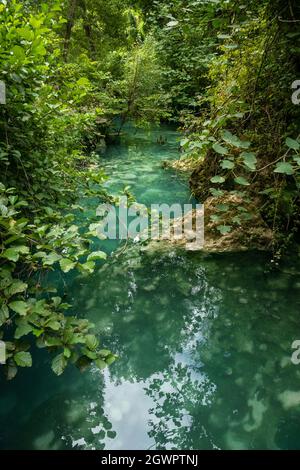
pixel 204 343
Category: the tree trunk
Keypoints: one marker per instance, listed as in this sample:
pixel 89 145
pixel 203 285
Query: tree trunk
pixel 69 27
pixel 88 29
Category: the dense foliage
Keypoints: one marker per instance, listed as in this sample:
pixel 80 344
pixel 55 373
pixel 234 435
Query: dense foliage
pixel 75 72
pixel 58 108
pixel 232 70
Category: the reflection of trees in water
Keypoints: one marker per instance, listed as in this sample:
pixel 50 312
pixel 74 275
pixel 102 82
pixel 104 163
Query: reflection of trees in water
pixel 229 393
pixel 209 338
pixel 146 308
pixel 179 398
pixel 71 419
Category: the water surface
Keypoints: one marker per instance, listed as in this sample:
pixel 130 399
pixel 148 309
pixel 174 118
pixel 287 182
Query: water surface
pixel 204 343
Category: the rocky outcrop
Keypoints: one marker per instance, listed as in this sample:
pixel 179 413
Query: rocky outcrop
pixel 252 234
pixel 185 165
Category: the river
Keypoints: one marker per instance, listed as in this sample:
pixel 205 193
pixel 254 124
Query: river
pixel 204 342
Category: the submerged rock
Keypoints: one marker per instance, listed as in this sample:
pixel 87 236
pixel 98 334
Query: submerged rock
pixel 289 399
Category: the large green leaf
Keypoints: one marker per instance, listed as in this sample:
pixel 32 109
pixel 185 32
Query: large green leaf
pixel 222 207
pixel 67 265
pixel 51 259
pixel 23 329
pixel 20 307
pixel 224 229
pixel 234 140
pixel 59 364
pixel 284 168
pixel 242 181
pixel 100 364
pixel 23 359
pixel 249 159
pixel 217 179
pixel 4 314
pixel 97 255
pixel 220 149
pixel 227 165
pixel 13 253
pixel 19 53
pixel 105 352
pixel 292 144
pixel 53 325
pixel 89 267
pixel 92 342
pixel 16 288
pixel 26 33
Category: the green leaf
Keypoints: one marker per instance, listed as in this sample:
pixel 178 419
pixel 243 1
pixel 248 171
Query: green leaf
pixel 220 149
pixel 11 372
pixel 67 353
pixel 292 144
pixel 231 46
pixel 23 329
pixel 35 22
pixel 237 220
pixel 100 364
pixel 19 307
pixel 83 82
pixel 51 259
pixel 53 325
pixel 217 179
pixel 223 36
pixel 172 23
pixel 40 50
pixel 4 314
pixel 52 342
pixel 242 181
pixel 222 207
pixel 67 265
pixel 284 168
pixel 59 364
pixel 97 255
pixel 250 159
pixel 224 229
pixel 23 359
pixel 216 192
pixel 92 342
pixel 19 53
pixel 92 355
pixel 56 301
pixel 88 267
pixel 110 359
pixel 184 142
pixel 25 33
pixel 16 288
pixel 105 352
pixel 215 218
pixel 13 253
pixel 296 159
pixel 227 165
pixel 234 140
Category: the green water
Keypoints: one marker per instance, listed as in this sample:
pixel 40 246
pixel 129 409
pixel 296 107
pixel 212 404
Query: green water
pixel 204 343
